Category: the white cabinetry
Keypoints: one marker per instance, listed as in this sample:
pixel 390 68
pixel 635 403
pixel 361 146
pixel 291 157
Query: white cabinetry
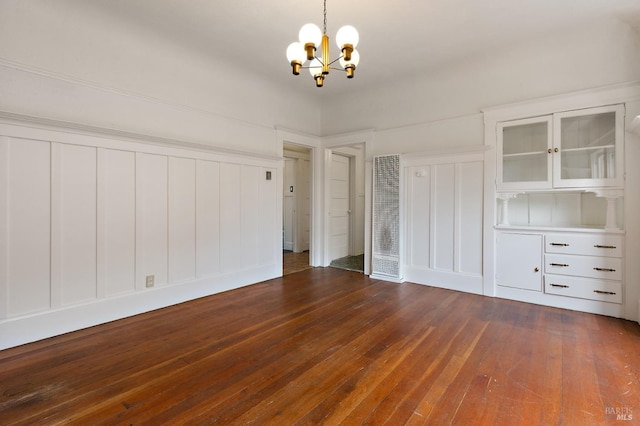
pixel 559 189
pixel 584 266
pixel 519 261
pixel 580 270
pixel 574 149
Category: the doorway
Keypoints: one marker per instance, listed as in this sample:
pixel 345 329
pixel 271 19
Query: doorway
pixel 296 206
pixel 346 208
pixel 340 207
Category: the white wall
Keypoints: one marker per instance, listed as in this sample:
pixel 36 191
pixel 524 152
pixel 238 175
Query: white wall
pixel 444 218
pixel 631 209
pixel 79 65
pixel 87 218
pixel 399 110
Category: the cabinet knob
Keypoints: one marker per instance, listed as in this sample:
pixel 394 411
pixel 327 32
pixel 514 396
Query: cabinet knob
pixel 549 150
pixel 536 269
pixel 555 149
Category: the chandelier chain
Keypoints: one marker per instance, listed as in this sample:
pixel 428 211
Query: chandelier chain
pixel 325 17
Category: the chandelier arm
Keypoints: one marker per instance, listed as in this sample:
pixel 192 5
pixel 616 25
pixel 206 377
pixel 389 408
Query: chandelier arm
pixel 338 69
pixel 335 60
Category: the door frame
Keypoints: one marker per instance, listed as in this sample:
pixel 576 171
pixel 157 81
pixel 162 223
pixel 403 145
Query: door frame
pixel 334 143
pixel 320 157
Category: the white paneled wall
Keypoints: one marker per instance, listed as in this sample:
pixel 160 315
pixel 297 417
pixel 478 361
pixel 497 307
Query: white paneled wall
pixel 230 217
pixel 151 218
pixel 444 194
pixel 182 219
pixel 86 219
pixel 27 220
pixel 116 222
pixel 208 218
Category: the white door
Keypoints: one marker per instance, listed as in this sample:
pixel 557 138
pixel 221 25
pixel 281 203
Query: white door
pixel 304 205
pixel 339 207
pixel 289 204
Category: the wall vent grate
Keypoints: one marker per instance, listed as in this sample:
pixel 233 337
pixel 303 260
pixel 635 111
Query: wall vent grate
pixel 386 216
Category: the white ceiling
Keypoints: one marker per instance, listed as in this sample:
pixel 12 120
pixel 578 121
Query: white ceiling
pixel 397 38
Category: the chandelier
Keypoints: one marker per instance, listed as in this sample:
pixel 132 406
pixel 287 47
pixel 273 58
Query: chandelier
pixel 302 54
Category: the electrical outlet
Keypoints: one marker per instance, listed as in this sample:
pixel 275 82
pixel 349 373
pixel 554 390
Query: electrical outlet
pixel 151 280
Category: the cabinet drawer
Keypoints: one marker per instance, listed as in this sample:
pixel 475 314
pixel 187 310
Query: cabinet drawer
pixel 608 268
pixel 584 288
pixel 589 245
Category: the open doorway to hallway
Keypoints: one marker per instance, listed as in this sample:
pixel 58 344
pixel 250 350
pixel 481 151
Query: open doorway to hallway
pixel 296 209
pixel 346 208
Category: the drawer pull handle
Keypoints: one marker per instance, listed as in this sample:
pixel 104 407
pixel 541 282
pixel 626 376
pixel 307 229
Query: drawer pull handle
pixel 604 269
pixel 611 293
pixel 561 286
pixel 564 265
pixel 559 244
pixel 607 247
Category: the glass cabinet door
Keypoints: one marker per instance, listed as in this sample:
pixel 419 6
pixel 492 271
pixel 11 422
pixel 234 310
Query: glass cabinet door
pixel 588 144
pixel 524 154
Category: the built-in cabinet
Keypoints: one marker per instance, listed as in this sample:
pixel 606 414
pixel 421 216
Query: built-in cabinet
pixel 519 261
pixel 573 149
pixel 559 228
pixel 573 264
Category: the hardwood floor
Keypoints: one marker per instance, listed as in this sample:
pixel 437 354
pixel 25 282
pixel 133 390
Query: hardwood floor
pixel 295 262
pixel 326 346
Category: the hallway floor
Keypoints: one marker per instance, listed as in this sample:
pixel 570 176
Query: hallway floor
pixel 294 262
pixel 349 263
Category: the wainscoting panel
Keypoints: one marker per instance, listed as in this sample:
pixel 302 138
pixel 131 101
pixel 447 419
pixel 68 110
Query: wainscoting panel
pixel 116 222
pixel 182 219
pixel 250 214
pixel 442 216
pixel 86 219
pixel 469 186
pixel 73 224
pixel 151 219
pixel 27 206
pixel 419 215
pixel 207 218
pixel 444 221
pixel 231 256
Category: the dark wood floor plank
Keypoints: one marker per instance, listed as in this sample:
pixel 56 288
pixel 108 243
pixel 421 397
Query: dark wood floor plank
pixel 325 346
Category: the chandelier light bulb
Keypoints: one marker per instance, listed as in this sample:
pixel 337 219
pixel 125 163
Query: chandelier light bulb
pixel 310 37
pixel 315 68
pixel 296 56
pixel 350 65
pixel 295 51
pixel 355 60
pixel 347 35
pixel 347 39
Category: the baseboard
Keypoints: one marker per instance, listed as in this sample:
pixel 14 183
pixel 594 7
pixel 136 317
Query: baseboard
pixel 20 330
pixel 458 281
